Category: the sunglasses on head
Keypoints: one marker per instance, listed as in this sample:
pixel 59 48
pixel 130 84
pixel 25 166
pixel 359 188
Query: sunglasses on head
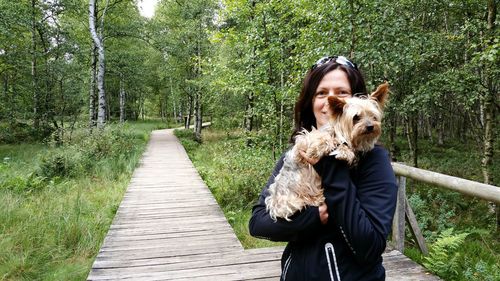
pixel 337 59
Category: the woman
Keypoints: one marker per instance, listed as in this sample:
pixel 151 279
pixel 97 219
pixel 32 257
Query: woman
pixel 344 238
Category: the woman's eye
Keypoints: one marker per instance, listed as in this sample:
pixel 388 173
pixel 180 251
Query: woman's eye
pixel 344 94
pixel 321 94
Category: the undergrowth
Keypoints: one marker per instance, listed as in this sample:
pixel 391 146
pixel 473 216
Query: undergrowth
pixel 57 202
pixel 460 231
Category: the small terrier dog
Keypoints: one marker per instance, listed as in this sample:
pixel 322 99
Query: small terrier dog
pixel 354 128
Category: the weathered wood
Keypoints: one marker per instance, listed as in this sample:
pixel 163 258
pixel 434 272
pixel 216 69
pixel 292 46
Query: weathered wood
pixel 415 229
pixel 169 227
pixel 398 222
pixel 480 190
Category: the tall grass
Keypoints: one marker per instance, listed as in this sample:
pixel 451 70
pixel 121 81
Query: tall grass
pixel 236 173
pixel 57 203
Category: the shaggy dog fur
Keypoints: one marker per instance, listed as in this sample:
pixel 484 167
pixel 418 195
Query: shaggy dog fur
pixel 354 128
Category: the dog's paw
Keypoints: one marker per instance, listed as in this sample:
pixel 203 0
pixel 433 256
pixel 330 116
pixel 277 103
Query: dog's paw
pixel 345 154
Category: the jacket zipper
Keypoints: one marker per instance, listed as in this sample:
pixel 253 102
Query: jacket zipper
pixel 330 252
pixel 287 265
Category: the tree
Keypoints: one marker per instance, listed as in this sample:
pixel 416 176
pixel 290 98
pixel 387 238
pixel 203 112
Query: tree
pixel 98 40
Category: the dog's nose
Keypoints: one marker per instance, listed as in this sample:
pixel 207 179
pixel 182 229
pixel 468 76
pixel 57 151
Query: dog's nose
pixel 369 128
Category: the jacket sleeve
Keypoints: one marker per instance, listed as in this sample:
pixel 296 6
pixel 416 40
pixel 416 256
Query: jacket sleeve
pixel 261 224
pixel 363 212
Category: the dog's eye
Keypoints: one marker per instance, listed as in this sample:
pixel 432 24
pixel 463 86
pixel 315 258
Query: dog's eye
pixel 356 118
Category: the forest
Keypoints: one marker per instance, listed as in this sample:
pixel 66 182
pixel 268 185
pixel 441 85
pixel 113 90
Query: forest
pixel 83 82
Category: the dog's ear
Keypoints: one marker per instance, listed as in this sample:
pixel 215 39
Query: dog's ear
pixel 337 105
pixel 381 93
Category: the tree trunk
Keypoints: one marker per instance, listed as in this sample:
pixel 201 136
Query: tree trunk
pixel 198 96
pixel 175 111
pixel 429 128
pixel 489 104
pixel 198 118
pixel 392 137
pixel 10 110
pixel 282 104
pixel 92 92
pixel 353 29
pixel 99 43
pixel 34 78
pixel 412 136
pixel 188 118
pixel 249 112
pixel 415 143
pixel 122 99
pixel 143 106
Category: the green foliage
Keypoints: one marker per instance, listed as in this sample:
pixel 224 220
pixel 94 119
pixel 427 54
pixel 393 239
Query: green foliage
pixel 443 256
pixel 14 131
pixel 482 271
pixel 52 226
pixel 233 171
pixel 58 164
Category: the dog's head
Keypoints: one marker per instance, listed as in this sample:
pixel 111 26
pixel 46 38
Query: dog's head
pixel 358 120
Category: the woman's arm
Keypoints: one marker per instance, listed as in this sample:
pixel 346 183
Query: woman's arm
pixel 363 213
pixel 263 226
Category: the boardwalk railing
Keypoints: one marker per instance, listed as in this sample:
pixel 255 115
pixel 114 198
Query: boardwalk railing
pixel 403 209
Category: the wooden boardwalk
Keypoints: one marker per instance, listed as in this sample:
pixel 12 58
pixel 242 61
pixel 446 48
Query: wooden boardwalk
pixel 169 227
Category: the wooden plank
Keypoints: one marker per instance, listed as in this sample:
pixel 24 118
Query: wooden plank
pixel 169 227
pixel 185 258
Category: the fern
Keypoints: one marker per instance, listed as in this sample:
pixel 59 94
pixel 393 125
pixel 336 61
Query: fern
pixel 443 257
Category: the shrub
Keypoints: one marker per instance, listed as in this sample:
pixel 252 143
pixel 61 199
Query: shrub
pixel 62 163
pixel 15 131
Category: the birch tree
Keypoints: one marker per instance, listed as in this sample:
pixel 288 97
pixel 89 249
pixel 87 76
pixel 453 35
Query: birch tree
pixel 122 99
pixel 490 83
pixel 98 40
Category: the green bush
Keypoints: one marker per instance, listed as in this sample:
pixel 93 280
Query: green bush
pixel 16 131
pixel 59 164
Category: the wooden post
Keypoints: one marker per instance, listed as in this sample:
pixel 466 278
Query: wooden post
pixel 398 222
pixel 415 229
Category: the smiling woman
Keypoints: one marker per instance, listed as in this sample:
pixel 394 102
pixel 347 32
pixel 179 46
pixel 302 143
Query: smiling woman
pixel 147 7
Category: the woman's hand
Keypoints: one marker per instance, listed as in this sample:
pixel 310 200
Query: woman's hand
pixel 323 213
pixel 311 161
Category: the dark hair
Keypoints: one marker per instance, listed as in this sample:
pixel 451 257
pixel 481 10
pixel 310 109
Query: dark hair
pixel 303 112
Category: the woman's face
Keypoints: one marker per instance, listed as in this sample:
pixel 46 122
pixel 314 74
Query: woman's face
pixel 333 83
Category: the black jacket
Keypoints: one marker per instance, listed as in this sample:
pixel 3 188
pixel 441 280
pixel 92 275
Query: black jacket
pixel 361 203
